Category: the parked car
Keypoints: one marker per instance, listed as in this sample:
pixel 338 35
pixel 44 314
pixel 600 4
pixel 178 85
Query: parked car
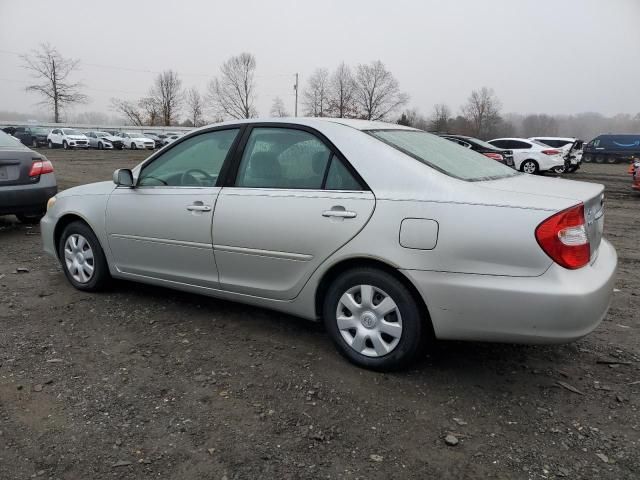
pixel 391 235
pixel 9 130
pixel 155 138
pixel 480 146
pixel 168 138
pixel 104 140
pixel 530 156
pixel 135 140
pixel 67 138
pixel 27 180
pixel 571 147
pixel 612 148
pixel 32 136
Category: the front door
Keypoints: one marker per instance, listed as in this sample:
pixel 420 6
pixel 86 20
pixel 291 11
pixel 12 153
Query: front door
pixel 294 201
pixel 162 227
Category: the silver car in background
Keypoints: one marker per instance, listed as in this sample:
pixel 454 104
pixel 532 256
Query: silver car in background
pixel 391 235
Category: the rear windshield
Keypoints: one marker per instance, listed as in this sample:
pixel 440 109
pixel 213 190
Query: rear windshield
pixel 7 141
pixel 444 155
pixel 70 131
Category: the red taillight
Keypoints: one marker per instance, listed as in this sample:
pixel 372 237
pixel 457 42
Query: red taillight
pixel 563 237
pixel 40 167
pixel 495 156
pixel 551 152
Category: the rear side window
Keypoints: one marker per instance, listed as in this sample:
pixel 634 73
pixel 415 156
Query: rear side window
pixel 443 155
pixel 283 158
pixel 339 177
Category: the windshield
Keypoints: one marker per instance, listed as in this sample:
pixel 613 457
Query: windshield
pixel 103 134
pixel 135 135
pixel 71 131
pixel 483 144
pixel 444 155
pixel 39 130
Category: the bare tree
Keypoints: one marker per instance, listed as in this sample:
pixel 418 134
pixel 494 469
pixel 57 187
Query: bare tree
pixel 377 91
pixel 482 111
pixel 151 110
pixel 130 111
pixel 53 70
pixel 439 121
pixel 277 108
pixel 315 97
pixel 342 93
pixel 195 105
pixel 167 92
pixel 233 92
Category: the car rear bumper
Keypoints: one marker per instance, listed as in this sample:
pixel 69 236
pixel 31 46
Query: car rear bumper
pixel 28 198
pixel 559 306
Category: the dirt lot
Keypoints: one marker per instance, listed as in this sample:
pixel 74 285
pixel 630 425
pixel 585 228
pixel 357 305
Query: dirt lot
pixel 143 382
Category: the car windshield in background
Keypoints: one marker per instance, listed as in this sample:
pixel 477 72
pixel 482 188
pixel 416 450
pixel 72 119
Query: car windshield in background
pixel 7 141
pixel 483 144
pixel 40 130
pixel 70 131
pixel 103 134
pixel 444 155
pixel 135 135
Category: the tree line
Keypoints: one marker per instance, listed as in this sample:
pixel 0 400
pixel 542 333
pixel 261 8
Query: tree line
pixel 367 91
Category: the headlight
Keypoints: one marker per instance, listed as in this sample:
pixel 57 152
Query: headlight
pixel 50 203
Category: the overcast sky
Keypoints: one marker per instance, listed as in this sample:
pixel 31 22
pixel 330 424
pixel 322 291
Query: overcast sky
pixel 552 56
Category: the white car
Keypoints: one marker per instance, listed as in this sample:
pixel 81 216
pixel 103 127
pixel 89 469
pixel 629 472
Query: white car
pixel 103 140
pixel 135 140
pixel 569 145
pixel 67 138
pixel 530 156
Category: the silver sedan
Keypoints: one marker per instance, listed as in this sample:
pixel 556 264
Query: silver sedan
pixel 390 235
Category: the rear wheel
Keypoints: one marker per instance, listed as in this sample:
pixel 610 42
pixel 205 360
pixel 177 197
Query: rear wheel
pixel 611 159
pixel 34 142
pixel 529 166
pixel 30 218
pixel 133 146
pixel 82 258
pixel 600 159
pixel 373 319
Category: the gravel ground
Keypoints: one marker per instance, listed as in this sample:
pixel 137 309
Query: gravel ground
pixel 144 382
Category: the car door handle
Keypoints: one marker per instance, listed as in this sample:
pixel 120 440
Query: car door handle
pixel 198 208
pixel 339 212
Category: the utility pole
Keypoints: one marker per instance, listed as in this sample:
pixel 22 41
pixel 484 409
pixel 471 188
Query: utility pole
pixel 295 87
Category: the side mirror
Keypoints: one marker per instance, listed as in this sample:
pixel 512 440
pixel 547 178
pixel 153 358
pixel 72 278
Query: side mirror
pixel 123 177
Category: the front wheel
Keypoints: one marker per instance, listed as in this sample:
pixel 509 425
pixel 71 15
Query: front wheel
pixel 133 146
pixel 100 147
pixel 65 145
pixel 529 166
pixel 82 258
pixel 373 319
pixel 50 144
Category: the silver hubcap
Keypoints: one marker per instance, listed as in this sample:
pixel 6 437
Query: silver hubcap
pixel 369 320
pixel 78 257
pixel 529 167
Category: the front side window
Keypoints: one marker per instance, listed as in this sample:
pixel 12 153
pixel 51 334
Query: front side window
pixel 283 158
pixel 196 162
pixel 443 155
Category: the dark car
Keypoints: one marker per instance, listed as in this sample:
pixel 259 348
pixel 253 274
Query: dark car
pixel 488 150
pixel 32 136
pixel 154 137
pixel 27 181
pixel 612 148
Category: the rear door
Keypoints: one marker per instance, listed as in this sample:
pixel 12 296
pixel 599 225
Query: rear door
pixel 292 202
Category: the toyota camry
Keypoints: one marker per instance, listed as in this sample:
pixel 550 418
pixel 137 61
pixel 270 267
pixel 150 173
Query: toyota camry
pixel 390 235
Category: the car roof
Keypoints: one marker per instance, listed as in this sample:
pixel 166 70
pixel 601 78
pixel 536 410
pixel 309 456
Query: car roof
pixel 568 139
pixel 511 138
pixel 319 122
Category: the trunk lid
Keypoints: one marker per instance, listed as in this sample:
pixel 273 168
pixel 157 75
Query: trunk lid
pixel 15 165
pixel 590 194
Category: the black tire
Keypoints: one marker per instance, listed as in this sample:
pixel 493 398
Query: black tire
pixel 600 159
pixel 50 144
pixel 34 142
pixel 587 159
pixel 133 146
pixel 572 169
pixel 65 145
pixel 30 218
pixel 536 167
pixel 100 147
pixel 611 160
pixel 415 328
pixel 101 276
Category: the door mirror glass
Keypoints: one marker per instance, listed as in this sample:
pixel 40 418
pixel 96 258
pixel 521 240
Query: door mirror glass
pixel 123 177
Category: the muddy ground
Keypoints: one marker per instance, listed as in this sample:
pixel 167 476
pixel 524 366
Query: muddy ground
pixel 144 382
